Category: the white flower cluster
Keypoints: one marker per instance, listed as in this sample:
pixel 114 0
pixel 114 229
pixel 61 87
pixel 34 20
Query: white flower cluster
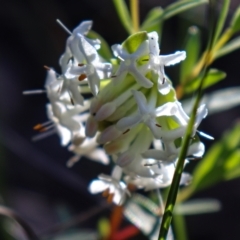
pixel 133 116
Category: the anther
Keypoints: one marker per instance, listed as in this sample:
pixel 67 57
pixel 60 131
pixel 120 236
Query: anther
pixel 43 129
pixel 37 127
pixel 47 68
pixel 80 64
pixel 126 131
pixel 110 198
pixel 105 193
pixel 158 125
pixel 163 81
pixel 72 102
pixel 82 77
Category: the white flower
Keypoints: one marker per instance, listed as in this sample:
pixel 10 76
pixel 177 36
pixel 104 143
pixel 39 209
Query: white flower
pixel 94 69
pixel 157 63
pixel 129 64
pixel 160 181
pixel 111 186
pixel 72 48
pixel 66 121
pixel 170 153
pixel 87 148
pixel 71 85
pixel 147 113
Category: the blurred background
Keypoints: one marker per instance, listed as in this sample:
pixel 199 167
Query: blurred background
pixel 34 179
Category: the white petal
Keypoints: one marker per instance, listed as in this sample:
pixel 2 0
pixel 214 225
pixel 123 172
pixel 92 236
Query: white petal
pixel 88 50
pixel 125 159
pixel 117 172
pixel 99 155
pixel 76 95
pixel 153 43
pixel 94 82
pixel 91 127
pixel 172 59
pixel 64 133
pixel 201 113
pixel 196 149
pixel 105 111
pixel 186 179
pixel 128 122
pixel 109 134
pixel 117 49
pixel 168 109
pixel 97 186
pixel 141 101
pixel 164 88
pixel 139 77
pixel 83 28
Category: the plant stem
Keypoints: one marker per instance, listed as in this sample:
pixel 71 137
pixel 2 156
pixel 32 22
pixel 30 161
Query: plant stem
pixel 134 7
pixel 168 213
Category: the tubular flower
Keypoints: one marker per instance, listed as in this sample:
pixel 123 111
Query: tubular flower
pixel 126 111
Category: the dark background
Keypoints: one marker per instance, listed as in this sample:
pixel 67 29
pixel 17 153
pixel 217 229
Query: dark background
pixel 33 178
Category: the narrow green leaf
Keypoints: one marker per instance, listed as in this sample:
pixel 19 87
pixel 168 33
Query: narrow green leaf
pixel 104 51
pixel 235 23
pixel 132 43
pixel 213 77
pixel 229 47
pixel 170 11
pixel 192 49
pixel 198 206
pixel 221 20
pixel 181 6
pixel 222 162
pixel 124 15
pixel 216 101
pixel 153 21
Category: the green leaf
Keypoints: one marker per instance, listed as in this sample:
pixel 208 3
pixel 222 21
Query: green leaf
pixel 228 48
pixel 132 43
pixel 181 6
pixel 124 15
pixel 235 23
pixel 105 50
pixel 192 49
pixel 216 101
pixel 212 78
pixel 222 161
pixel 153 21
pixel 157 16
pixel 221 20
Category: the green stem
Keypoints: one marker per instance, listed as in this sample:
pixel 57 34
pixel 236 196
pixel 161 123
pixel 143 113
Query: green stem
pixel 168 213
pixel 134 6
